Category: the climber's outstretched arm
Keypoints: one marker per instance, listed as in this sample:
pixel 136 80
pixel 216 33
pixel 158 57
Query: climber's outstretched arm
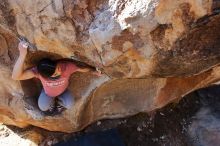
pixel 18 72
pixel 96 72
pixel 84 70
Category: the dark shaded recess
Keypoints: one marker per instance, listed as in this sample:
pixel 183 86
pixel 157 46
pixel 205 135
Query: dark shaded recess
pixel 33 58
pixel 196 51
pixel 33 87
pixel 78 63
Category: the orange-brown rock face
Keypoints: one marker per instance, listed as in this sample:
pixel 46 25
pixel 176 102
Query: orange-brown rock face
pixel 151 53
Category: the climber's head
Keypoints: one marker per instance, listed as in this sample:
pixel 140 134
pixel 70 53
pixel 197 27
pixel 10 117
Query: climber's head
pixel 47 67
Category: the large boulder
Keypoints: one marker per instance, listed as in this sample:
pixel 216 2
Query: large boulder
pixel 150 52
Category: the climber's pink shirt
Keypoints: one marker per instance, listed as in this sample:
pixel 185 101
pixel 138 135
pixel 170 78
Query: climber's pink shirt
pixel 56 87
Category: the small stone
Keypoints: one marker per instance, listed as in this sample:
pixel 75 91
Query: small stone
pixel 162 137
pixel 162 114
pixel 144 125
pixel 50 143
pixel 99 123
pixel 139 129
pixel 55 141
pixel 6 134
pixel 2 128
pixel 155 139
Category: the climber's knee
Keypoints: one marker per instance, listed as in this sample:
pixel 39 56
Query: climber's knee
pixel 44 101
pixel 67 99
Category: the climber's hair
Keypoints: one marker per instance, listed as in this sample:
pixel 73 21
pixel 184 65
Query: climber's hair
pixel 46 67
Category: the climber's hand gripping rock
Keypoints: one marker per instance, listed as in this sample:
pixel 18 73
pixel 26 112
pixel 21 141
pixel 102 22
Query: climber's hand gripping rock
pixel 23 46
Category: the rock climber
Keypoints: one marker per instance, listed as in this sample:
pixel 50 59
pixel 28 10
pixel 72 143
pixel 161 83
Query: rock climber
pixel 54 76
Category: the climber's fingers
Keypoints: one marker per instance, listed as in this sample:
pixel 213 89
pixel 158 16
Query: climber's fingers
pixel 97 72
pixel 23 45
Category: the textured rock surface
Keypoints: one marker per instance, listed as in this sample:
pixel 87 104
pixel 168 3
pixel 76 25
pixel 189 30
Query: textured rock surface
pixel 152 53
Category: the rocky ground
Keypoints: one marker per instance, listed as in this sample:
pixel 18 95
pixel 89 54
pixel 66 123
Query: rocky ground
pixel 195 120
pixel 9 137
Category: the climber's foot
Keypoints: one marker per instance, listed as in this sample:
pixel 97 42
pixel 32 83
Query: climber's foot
pixel 51 111
pixel 60 108
pixel 59 105
pixel 56 109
